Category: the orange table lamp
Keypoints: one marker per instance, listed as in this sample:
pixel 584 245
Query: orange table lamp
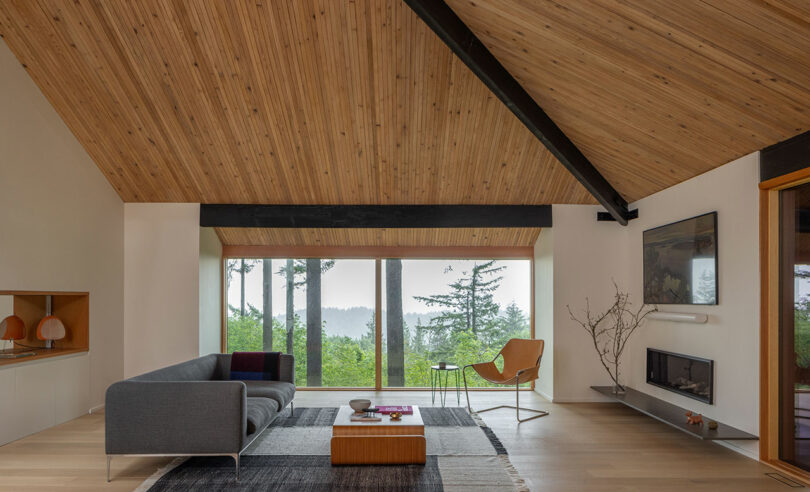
pixel 12 328
pixel 50 328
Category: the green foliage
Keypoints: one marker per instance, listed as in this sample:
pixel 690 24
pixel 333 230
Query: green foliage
pixel 801 340
pixel 469 305
pixel 456 336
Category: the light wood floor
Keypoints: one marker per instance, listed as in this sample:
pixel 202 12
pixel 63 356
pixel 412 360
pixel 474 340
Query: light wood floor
pixel 586 446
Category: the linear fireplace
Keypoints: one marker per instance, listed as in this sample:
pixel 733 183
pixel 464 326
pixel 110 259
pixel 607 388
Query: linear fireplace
pixel 683 374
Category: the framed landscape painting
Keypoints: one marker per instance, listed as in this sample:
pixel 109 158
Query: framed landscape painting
pixel 680 262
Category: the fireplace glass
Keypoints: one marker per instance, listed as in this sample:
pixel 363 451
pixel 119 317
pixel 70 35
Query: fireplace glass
pixel 683 374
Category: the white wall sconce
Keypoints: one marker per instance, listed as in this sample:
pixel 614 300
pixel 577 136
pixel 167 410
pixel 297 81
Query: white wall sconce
pixel 679 317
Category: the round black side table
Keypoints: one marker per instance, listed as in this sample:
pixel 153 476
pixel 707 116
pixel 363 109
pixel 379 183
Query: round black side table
pixel 436 383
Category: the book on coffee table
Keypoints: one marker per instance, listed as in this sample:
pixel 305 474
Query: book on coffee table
pixel 365 417
pixel 386 409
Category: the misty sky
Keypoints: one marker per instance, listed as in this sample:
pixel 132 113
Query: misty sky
pixel 351 283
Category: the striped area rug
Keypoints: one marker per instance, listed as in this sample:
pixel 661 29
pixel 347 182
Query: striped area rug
pixel 293 454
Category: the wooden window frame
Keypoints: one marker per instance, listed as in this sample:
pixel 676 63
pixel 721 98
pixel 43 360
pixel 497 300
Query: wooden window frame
pixel 377 254
pixel 769 320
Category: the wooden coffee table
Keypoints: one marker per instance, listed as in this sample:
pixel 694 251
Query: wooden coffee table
pixel 378 443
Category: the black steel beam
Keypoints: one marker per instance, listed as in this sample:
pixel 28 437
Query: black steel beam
pixel 375 216
pixel 606 217
pixel 785 157
pixel 455 33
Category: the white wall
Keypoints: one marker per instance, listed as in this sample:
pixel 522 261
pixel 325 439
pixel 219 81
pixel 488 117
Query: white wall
pixel 731 335
pixel 588 254
pixel 210 291
pixel 587 257
pixel 544 309
pixel 61 228
pixel 161 290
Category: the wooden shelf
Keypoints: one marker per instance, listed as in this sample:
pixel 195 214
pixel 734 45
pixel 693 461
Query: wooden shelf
pixel 673 415
pixel 73 308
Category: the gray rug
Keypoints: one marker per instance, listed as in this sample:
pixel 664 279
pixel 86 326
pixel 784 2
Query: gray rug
pixel 293 454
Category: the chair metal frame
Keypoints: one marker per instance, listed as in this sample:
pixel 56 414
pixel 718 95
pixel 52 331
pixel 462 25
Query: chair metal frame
pixel 516 406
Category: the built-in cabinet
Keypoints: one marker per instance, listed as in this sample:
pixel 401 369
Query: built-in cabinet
pixel 37 394
pixel 53 386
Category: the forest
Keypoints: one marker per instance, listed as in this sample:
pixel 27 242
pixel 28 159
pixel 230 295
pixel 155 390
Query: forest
pixel 466 326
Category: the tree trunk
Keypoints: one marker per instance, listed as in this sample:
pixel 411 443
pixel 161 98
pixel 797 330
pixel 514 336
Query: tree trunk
pixel 290 306
pixel 314 322
pixel 267 305
pixel 394 328
pixel 242 280
pixel 473 285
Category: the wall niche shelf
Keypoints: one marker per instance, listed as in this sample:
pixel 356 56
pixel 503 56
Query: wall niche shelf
pixel 73 308
pixel 674 416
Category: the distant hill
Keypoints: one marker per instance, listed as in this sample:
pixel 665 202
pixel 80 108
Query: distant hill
pixel 352 321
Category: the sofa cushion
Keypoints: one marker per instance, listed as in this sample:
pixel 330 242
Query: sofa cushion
pixel 255 366
pixel 280 392
pixel 222 370
pixel 260 412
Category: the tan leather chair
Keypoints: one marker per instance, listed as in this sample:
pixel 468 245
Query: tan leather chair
pixel 521 364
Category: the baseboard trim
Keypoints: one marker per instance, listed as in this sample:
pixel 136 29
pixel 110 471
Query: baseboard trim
pixel 545 395
pixel 96 409
pixel 753 454
pixel 582 399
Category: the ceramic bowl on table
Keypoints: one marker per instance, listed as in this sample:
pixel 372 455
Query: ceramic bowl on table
pixel 359 405
pixel 396 415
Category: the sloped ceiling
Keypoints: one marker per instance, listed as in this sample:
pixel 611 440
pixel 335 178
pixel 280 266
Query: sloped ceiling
pixel 358 102
pixel 657 92
pixel 297 102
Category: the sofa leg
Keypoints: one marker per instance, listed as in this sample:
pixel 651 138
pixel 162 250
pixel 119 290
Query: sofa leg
pixel 292 409
pixel 109 458
pixel 236 461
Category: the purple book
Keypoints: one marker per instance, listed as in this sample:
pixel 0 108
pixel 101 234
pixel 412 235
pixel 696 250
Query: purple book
pixel 404 410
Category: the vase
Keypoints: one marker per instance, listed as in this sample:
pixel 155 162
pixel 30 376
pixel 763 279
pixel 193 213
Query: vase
pixel 619 390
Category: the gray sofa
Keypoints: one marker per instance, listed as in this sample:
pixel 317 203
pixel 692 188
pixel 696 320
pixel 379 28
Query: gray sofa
pixel 193 408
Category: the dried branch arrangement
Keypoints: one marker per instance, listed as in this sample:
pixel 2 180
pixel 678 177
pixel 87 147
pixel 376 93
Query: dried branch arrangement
pixel 612 329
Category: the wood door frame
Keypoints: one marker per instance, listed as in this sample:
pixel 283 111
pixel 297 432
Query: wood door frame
pixel 377 254
pixel 769 320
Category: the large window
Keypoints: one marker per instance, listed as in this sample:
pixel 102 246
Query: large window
pixel 323 311
pixel 455 311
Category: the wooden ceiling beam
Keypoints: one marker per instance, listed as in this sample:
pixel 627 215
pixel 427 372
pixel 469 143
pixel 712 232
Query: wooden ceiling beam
pixel 375 216
pixel 466 45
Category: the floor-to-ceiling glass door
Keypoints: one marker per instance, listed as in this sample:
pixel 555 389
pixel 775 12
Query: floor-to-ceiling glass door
pixel 794 326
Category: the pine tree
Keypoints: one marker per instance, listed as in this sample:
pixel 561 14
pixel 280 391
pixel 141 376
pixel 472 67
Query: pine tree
pixel 513 324
pixel 314 328
pixel 267 305
pixel 314 271
pixel 394 323
pixel 469 307
pixel 241 267
pixel 292 272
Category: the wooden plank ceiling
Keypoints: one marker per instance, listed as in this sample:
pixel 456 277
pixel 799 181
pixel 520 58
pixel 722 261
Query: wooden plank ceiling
pixel 458 237
pixel 657 92
pixel 295 102
pixel 358 102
